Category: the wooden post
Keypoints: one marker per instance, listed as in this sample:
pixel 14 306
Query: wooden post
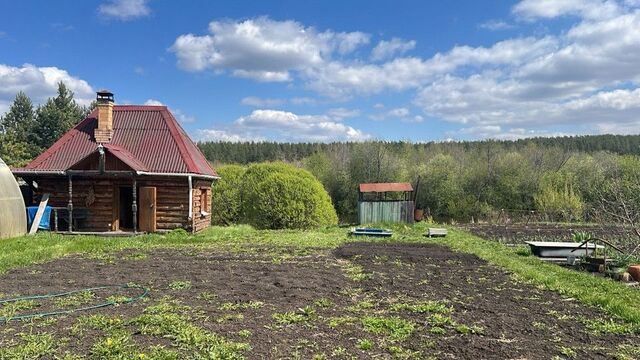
pixel 134 206
pixel 70 204
pixel 38 218
pixel 55 221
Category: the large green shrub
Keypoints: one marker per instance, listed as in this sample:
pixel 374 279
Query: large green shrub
pixel 277 196
pixel 226 195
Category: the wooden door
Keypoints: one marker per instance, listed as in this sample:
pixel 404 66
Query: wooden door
pixel 147 213
pixel 115 223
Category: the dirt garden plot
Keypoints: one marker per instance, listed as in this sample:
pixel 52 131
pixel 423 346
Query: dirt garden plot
pixel 361 300
pixel 519 233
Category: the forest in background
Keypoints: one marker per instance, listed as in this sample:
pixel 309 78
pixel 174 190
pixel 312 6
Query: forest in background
pixel 582 178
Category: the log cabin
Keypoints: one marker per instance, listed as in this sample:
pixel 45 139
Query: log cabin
pixel 123 169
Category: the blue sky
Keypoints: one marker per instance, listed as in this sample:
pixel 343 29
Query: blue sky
pixel 339 70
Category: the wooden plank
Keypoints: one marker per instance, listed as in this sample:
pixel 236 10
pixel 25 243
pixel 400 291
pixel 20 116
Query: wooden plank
pixel 36 221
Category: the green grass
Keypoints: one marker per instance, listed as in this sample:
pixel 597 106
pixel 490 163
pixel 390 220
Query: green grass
pixel 396 328
pixel 45 246
pixel 614 298
pixel 74 300
pixel 423 307
pixel 180 285
pixel 303 315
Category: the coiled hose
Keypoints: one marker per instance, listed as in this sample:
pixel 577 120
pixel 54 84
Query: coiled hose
pixel 129 300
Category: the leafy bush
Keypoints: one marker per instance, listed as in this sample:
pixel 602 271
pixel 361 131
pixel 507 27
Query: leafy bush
pixel 278 196
pixel 226 195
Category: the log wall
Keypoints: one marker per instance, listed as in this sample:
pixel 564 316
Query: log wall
pixel 96 195
pixel 201 192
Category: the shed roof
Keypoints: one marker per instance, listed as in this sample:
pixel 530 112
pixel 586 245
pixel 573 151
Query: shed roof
pixel 385 187
pixel 147 138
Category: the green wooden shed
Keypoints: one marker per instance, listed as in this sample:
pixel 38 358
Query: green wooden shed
pixel 385 203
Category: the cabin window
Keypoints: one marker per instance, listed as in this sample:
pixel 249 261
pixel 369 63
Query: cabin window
pixel 204 202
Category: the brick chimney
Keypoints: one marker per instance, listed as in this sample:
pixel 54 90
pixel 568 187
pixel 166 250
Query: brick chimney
pixel 104 132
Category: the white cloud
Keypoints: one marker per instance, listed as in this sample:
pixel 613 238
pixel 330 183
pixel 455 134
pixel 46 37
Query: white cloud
pixel 337 79
pixel 588 77
pixel 224 136
pixel 591 9
pixel 39 83
pixel 387 49
pixel 585 74
pixel 495 25
pixel 268 50
pixel 264 76
pixel 177 113
pixel 348 42
pixel 343 113
pixel 416 119
pixel 485 101
pixel 289 126
pixel 153 102
pixel 400 113
pixel 261 48
pixel 303 101
pixel 256 101
pixel 182 117
pixel 260 102
pixel 124 9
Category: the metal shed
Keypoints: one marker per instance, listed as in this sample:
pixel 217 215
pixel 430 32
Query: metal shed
pixel 385 203
pixel 13 216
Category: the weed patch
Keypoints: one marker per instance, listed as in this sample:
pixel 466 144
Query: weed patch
pixel 396 328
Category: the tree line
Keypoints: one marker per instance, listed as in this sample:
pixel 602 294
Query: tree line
pixel 26 131
pixel 560 179
pixel 252 152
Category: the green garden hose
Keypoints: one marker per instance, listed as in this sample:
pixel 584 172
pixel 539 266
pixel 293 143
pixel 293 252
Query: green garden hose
pixel 144 293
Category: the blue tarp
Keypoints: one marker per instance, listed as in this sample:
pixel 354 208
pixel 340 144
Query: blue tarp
pixel 44 222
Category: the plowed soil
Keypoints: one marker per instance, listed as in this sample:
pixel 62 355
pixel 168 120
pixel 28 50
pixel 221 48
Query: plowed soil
pixel 488 314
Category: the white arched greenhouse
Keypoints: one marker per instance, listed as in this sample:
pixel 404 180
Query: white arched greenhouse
pixel 13 216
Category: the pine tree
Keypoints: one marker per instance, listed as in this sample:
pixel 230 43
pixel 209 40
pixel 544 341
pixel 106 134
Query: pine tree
pixel 19 119
pixel 56 117
pixel 16 131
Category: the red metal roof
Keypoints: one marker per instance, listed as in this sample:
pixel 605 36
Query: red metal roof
pixel 146 138
pixel 126 157
pixel 384 187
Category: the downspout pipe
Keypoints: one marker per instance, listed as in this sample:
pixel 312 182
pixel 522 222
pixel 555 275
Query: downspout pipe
pixel 190 198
